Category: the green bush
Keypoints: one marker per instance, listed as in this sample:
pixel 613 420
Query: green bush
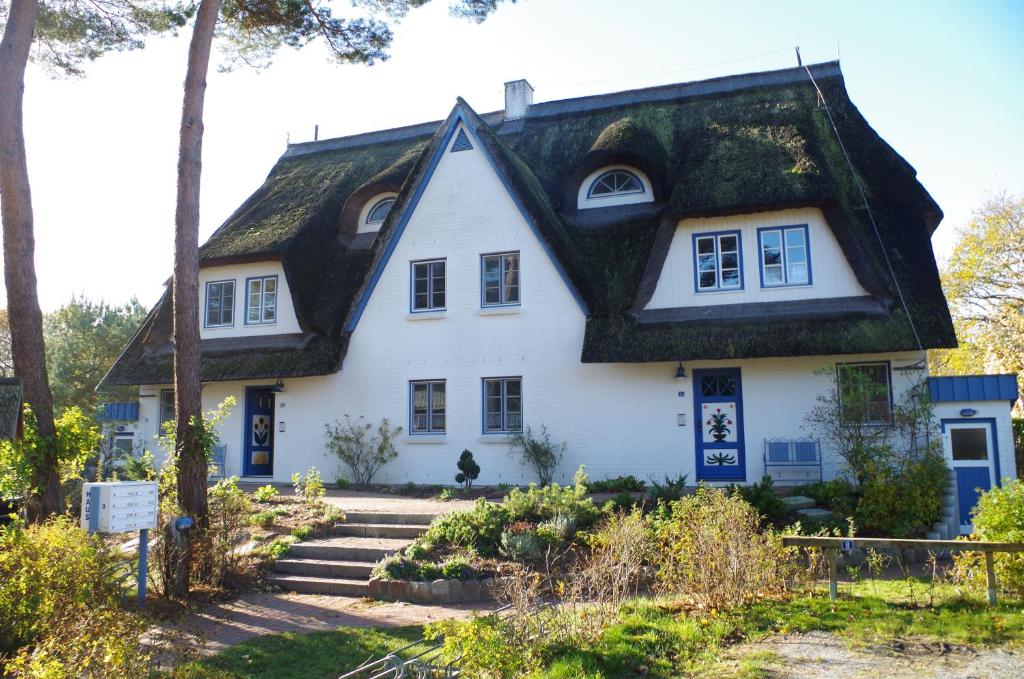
pixel 838 495
pixel 537 504
pixel 762 497
pixel 999 517
pixel 265 493
pixel 479 527
pixel 521 542
pixel 537 452
pixel 469 470
pixel 302 532
pixel 230 511
pixel 60 597
pixel 309 487
pixel 620 484
pixel 900 501
pixel 457 568
pixel 670 491
pixel 264 519
pixel 276 548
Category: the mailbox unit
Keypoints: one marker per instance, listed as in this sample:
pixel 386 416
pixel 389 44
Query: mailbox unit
pixel 119 507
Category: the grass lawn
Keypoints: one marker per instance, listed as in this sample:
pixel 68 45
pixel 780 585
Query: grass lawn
pixel 655 639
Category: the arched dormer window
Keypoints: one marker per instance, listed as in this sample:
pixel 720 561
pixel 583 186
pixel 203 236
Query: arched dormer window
pixel 375 212
pixel 618 185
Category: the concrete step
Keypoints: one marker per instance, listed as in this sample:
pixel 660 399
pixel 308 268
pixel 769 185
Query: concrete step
pixel 305 584
pixel 379 530
pixel 324 568
pixel 794 502
pixel 393 518
pixel 815 513
pixel 347 549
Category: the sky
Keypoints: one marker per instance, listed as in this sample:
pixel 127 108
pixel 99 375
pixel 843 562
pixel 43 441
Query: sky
pixel 941 81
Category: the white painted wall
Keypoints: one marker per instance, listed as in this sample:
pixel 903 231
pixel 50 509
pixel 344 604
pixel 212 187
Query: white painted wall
pixel 831 273
pixel 286 320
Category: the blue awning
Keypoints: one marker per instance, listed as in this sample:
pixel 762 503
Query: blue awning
pixel 973 388
pixel 120 412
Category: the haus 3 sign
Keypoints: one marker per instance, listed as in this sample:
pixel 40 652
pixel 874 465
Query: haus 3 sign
pixel 119 507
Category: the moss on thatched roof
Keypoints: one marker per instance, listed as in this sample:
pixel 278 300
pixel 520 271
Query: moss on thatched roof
pixel 725 146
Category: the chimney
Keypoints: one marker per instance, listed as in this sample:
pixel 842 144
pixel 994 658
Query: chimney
pixel 518 97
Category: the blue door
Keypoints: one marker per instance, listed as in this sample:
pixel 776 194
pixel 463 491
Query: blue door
pixel 718 414
pixel 258 457
pixel 971 453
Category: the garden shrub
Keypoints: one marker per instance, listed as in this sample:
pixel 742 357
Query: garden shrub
pixel 838 495
pixel 671 490
pixel 264 519
pixel 902 500
pixel 998 517
pixel 520 541
pixel 276 548
pixel 620 484
pixel 469 470
pixel 557 529
pixel 762 497
pixel 537 452
pixel 265 493
pixel 710 547
pixel 362 450
pixel 484 648
pixel 479 527
pixel 302 532
pixel 309 487
pixel 537 504
pixel 229 517
pixel 60 595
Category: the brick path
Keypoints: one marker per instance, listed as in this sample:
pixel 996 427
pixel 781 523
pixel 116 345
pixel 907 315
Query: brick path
pixel 226 624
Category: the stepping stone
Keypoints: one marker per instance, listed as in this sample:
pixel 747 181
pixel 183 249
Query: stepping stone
pixel 794 502
pixel 815 513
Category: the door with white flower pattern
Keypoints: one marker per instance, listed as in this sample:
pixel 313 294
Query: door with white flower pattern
pixel 259 432
pixel 718 414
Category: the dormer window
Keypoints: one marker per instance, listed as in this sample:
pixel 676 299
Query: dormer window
pixel 614 185
pixel 379 212
pixel 615 182
pixel 374 212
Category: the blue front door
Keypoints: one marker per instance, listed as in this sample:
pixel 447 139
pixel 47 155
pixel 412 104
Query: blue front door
pixel 718 416
pixel 971 451
pixel 259 437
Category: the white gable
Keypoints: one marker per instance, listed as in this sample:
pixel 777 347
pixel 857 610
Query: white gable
pixel 831 275
pixel 285 321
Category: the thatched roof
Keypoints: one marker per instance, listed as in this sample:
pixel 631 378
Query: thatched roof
pixel 725 146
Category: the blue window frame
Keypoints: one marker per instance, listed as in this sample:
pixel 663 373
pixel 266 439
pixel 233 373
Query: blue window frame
pixel 428 285
pixel 503 404
pixel 717 261
pixel 261 300
pixel 784 253
pixel 865 392
pixel 220 304
pixel 499 279
pixel 166 408
pixel 427 406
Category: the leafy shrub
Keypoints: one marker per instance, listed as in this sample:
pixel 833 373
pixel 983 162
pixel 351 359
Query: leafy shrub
pixel 342 483
pixel 838 495
pixel 360 451
pixel 229 517
pixel 445 495
pixel 265 493
pixel 541 504
pixel 469 470
pixel 264 519
pixel 998 517
pixel 762 497
pixel 671 490
pixel 302 532
pixel 141 468
pixel 60 604
pixel 484 647
pixel 309 487
pixel 622 501
pixel 457 568
pixel 276 548
pixel 479 527
pixel 903 500
pixel 557 529
pixel 521 542
pixel 620 484
pixel 537 452
pixel 709 546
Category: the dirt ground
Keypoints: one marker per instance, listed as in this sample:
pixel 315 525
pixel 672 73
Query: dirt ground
pixel 820 655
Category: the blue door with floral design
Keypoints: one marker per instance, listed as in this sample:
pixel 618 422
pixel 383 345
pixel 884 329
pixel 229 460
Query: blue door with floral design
pixel 718 413
pixel 259 437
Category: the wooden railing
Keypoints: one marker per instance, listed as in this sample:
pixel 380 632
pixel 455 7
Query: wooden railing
pixel 832 547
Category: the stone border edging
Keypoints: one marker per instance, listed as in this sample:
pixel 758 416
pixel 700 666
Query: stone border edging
pixel 434 592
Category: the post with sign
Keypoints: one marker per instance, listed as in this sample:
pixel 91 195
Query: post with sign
pixel 122 507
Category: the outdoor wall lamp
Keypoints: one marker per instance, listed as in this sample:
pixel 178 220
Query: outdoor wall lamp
pixel 278 386
pixel 680 371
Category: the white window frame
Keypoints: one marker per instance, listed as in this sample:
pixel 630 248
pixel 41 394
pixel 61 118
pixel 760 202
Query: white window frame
pixel 504 409
pixel 716 238
pixel 785 249
pixel 430 386
pixel 263 294
pixel 431 279
pixel 585 198
pixel 503 289
pixel 230 308
pixel 376 206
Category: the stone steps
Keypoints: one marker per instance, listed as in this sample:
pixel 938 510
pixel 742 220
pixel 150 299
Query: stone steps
pixel 341 564
pixel 795 502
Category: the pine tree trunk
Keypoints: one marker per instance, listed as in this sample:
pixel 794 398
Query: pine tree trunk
pixel 26 319
pixel 192 465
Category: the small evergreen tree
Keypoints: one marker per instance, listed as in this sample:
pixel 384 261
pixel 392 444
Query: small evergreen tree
pixel 468 469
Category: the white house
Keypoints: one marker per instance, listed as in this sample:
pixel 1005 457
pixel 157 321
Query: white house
pixel 624 269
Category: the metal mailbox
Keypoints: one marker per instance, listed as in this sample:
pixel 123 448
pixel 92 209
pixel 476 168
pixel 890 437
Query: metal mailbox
pixel 119 506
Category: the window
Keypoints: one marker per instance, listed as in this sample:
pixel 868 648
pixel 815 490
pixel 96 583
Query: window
pixel 864 393
pixel 500 279
pixel 220 304
pixel 969 443
pixel 427 406
pixel 785 256
pixel 379 212
pixel 615 182
pixel 428 285
pixel 166 406
pixel 503 404
pixel 261 300
pixel 716 259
